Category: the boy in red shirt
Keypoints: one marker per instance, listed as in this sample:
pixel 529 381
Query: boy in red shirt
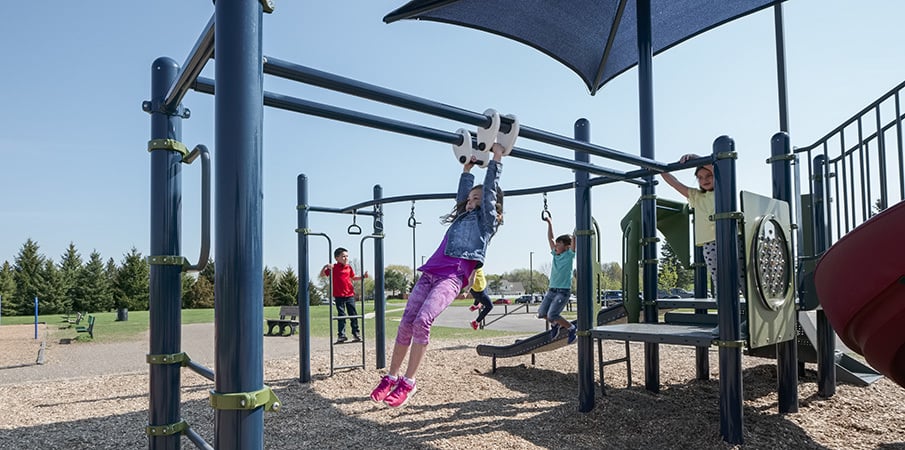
pixel 343 292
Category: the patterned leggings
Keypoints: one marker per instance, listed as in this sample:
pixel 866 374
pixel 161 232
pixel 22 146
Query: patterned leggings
pixel 710 260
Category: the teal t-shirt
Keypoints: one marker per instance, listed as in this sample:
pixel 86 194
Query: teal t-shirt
pixel 561 273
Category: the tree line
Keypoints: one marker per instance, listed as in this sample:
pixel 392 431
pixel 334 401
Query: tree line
pixel 96 285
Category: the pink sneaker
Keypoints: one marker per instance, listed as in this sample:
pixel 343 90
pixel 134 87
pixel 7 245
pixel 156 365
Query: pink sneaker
pixel 474 308
pixel 474 324
pixel 400 395
pixel 386 385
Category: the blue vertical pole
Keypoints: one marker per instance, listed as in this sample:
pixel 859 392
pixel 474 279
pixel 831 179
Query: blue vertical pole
pixel 165 280
pixel 585 277
pixel 648 193
pixel 731 414
pixel 826 338
pixel 304 278
pixel 239 219
pixel 36 318
pixel 786 352
pixel 702 354
pixel 782 86
pixel 380 305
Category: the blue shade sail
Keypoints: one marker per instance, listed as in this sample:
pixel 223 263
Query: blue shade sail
pixel 597 39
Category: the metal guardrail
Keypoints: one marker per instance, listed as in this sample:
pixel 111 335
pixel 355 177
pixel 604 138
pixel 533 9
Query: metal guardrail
pixel 864 165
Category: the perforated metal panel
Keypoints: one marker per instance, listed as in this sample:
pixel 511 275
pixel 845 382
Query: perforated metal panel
pixel 770 270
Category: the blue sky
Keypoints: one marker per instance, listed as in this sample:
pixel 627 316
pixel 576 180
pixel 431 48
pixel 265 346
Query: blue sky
pixel 74 165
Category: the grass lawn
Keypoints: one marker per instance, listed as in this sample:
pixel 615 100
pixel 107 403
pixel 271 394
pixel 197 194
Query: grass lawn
pixel 108 329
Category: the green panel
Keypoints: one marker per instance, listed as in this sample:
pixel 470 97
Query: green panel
pixel 673 223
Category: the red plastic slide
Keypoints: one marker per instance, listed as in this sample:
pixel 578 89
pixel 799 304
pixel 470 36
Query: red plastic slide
pixel 861 286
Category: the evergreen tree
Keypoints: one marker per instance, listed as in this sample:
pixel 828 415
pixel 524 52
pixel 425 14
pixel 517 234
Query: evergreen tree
pixel 110 270
pixel 287 288
pixel 668 268
pixel 684 278
pixel 70 265
pixel 7 289
pixel 202 293
pixel 93 292
pixel 270 281
pixel 188 281
pixel 131 287
pixel 208 271
pixel 52 300
pixel 315 295
pixel 29 278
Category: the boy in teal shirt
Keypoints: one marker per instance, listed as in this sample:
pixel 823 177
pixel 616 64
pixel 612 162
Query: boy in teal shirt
pixel 563 250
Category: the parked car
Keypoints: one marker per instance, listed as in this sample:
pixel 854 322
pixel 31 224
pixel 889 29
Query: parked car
pixel 682 293
pixel 535 298
pixel 610 297
pixel 663 293
pixel 502 301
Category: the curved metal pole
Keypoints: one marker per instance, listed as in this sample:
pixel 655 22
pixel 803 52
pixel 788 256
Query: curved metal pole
pixel 204 254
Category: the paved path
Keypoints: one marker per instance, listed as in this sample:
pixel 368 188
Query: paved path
pixel 87 359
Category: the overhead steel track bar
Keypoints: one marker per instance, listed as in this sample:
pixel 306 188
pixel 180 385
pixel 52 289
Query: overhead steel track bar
pixel 197 59
pixel 326 80
pixel 288 103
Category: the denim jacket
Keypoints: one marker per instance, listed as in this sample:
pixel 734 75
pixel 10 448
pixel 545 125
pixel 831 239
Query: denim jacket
pixel 469 234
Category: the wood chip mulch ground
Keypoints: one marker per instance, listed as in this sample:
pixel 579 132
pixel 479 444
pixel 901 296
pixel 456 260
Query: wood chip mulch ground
pixel 460 404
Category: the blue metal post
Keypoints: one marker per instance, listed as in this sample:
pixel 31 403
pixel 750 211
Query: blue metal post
pixel 304 267
pixel 786 352
pixel 781 85
pixel 826 337
pixel 648 193
pixel 165 301
pixel 585 284
pixel 36 317
pixel 239 219
pixel 380 306
pixel 731 414
pixel 702 354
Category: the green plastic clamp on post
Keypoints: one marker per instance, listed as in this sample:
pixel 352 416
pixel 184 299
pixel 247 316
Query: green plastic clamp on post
pixel 650 261
pixel 647 197
pixel 649 240
pixel 583 333
pixel 735 215
pixel 727 155
pixel 303 230
pixel 246 400
pixel 167 430
pixel 172 358
pixel 783 157
pixel 166 260
pixel 729 344
pixel 168 144
pixel 584 232
pixel 267 5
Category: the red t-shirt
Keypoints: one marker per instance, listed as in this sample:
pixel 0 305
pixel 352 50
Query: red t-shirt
pixel 342 280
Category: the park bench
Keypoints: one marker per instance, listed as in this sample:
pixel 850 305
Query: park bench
pixel 89 329
pixel 287 318
pixel 72 322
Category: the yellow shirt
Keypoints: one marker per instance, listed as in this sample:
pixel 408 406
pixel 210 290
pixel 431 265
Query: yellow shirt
pixel 480 283
pixel 704 205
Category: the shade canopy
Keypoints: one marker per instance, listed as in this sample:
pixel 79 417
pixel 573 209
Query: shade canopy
pixel 598 39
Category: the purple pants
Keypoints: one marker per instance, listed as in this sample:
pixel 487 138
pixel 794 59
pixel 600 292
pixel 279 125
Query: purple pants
pixel 430 297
